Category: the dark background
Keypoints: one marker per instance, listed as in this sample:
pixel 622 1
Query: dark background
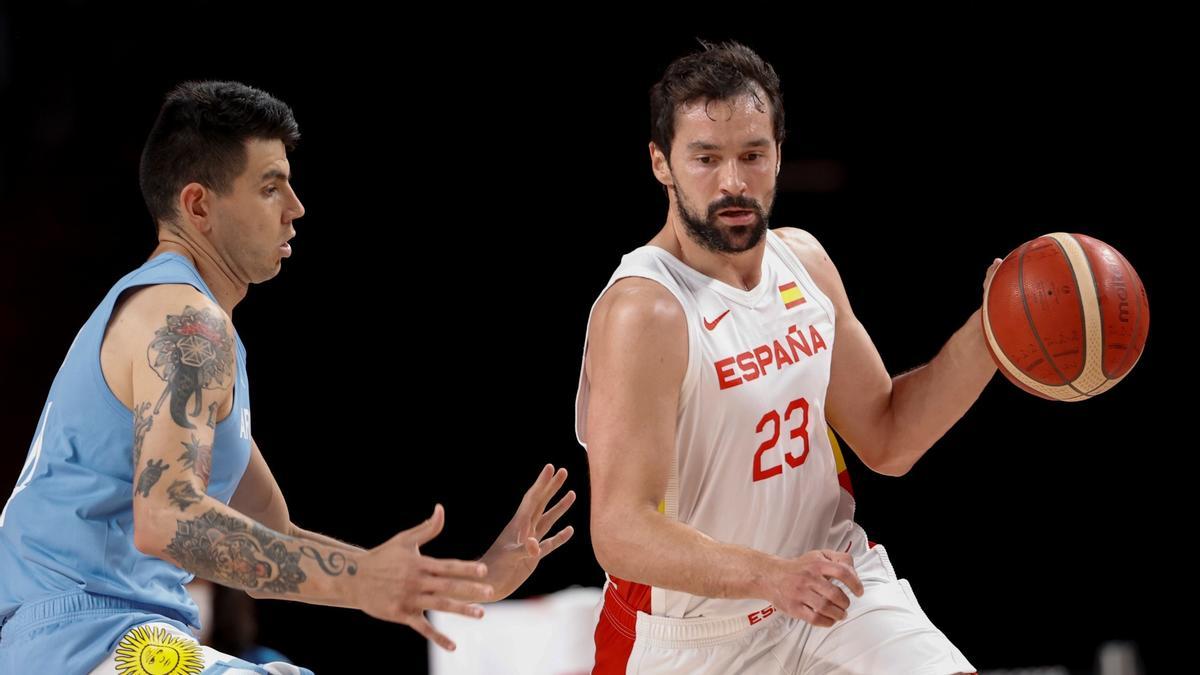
pixel 470 190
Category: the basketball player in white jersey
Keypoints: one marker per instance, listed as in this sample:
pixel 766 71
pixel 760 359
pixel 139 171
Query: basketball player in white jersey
pixel 716 360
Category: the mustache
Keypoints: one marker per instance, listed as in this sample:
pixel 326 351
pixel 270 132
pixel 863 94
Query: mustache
pixel 734 202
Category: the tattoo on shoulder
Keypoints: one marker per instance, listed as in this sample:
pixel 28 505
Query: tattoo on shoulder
pixel 150 475
pixel 193 352
pixel 182 494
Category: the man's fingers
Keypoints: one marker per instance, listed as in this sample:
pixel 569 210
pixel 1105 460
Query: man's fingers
pixel 462 569
pixel 548 545
pixel 834 595
pixel 550 517
pixel 444 604
pixel 823 607
pixel 549 489
pixel 420 624
pixel 457 588
pixel 808 615
pixel 526 510
pixel 841 557
pixel 844 574
pixel 423 533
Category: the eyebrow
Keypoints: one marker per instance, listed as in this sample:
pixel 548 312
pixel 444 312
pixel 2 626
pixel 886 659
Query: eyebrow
pixel 704 145
pixel 273 174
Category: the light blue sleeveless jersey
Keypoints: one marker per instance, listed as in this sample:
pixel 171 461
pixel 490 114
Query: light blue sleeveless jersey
pixel 68 526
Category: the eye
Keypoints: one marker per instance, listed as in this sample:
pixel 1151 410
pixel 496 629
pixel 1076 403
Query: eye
pixel 271 190
pixel 704 159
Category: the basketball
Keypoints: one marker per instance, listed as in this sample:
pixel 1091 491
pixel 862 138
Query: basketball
pixel 1065 317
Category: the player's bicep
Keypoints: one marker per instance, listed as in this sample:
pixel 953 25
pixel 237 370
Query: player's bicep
pixel 182 372
pixel 637 356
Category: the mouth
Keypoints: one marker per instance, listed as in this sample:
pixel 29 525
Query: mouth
pixel 285 249
pixel 737 216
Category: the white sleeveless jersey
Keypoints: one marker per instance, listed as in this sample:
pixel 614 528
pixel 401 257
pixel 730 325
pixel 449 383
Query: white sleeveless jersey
pixel 755 463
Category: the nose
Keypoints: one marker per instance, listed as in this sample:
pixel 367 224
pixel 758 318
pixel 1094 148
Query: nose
pixel 296 209
pixel 732 182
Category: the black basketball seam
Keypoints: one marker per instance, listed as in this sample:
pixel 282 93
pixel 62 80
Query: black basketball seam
pixel 1033 327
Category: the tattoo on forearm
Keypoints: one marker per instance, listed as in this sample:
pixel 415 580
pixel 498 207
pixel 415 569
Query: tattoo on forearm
pixel 191 353
pixel 182 494
pixel 197 457
pixel 141 424
pixel 233 552
pixel 335 564
pixel 150 475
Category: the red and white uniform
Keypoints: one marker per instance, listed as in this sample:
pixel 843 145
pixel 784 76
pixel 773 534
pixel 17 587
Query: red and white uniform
pixel 754 462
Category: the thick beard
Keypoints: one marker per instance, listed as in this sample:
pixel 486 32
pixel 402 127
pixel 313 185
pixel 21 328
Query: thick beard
pixel 713 236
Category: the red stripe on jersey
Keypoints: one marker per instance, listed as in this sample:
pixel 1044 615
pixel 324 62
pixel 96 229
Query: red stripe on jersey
pixel 844 481
pixel 617 627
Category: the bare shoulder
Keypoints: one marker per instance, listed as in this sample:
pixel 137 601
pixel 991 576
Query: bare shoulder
pixel 804 245
pixel 638 299
pixel 637 315
pixel 151 307
pixel 815 259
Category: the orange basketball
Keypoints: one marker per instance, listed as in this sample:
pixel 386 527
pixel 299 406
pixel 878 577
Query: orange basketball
pixel 1065 317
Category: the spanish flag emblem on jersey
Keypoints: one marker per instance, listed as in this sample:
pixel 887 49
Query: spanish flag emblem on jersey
pixel 792 295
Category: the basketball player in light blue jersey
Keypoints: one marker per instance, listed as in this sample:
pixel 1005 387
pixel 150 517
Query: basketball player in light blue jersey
pixel 143 471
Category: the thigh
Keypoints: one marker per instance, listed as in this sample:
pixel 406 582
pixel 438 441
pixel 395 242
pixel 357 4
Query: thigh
pixel 884 631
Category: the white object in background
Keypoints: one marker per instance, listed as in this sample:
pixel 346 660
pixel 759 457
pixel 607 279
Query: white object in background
pixel 1118 658
pixel 547 635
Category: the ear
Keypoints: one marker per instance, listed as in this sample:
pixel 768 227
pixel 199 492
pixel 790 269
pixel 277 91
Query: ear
pixel 660 166
pixel 195 206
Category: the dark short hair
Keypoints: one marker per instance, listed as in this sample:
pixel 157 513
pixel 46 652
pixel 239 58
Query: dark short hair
pixel 200 136
pixel 717 73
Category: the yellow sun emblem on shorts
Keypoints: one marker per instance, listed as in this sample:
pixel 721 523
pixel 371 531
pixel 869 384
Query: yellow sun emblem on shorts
pixel 152 650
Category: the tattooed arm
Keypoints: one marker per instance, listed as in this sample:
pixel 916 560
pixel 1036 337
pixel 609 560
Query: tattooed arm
pixel 188 366
pixel 510 560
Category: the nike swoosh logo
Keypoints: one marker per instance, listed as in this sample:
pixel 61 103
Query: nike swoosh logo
pixel 715 321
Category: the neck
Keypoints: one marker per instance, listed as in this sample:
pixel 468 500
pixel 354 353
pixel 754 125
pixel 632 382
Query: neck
pixel 227 289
